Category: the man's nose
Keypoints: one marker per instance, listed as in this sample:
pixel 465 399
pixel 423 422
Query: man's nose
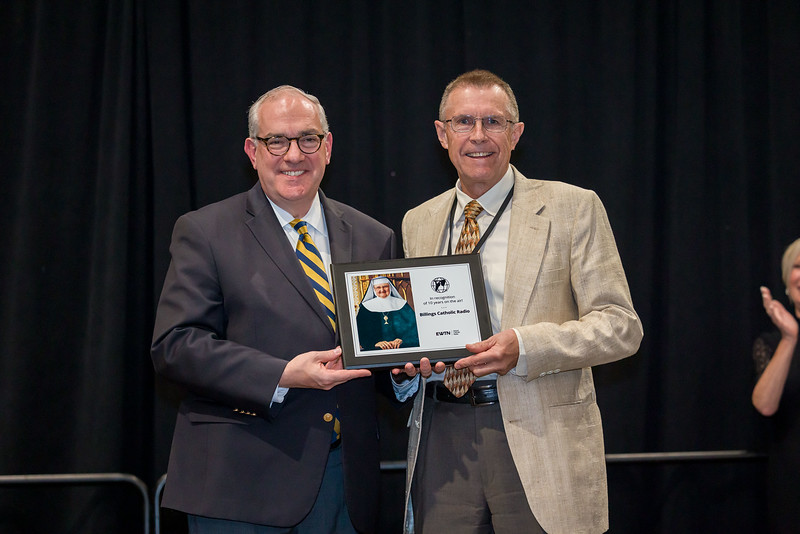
pixel 478 133
pixel 294 153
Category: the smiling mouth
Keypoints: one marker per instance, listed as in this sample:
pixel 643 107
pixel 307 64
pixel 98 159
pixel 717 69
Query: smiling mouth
pixel 293 173
pixel 478 154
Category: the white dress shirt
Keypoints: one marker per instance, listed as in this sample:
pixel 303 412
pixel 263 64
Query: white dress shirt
pixel 493 255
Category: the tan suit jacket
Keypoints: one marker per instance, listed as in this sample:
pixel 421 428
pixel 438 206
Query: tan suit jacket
pixel 566 293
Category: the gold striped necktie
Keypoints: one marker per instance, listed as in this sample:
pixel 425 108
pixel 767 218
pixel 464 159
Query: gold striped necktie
pixel 458 381
pixel 311 261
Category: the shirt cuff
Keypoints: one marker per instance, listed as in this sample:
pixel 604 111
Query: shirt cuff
pixel 406 389
pixel 279 395
pixel 522 364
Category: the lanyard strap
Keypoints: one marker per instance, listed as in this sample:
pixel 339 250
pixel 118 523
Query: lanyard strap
pixel 488 230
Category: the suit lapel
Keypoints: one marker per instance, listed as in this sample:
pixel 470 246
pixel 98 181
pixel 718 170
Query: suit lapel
pixel 526 245
pixel 269 234
pixel 340 232
pixel 429 243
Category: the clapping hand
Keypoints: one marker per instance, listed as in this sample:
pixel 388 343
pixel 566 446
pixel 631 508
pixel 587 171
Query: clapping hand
pixel 780 316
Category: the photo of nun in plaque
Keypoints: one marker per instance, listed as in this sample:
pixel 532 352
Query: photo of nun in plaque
pixel 385 320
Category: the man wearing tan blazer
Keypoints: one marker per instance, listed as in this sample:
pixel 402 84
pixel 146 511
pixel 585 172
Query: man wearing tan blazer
pixel 530 457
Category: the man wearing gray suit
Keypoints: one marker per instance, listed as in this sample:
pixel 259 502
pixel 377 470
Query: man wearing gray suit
pixel 522 450
pixel 273 436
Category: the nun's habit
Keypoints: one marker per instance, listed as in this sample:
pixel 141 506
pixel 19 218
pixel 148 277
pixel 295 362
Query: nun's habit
pixel 385 319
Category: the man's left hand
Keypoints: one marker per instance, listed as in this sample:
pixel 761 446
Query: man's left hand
pixel 498 354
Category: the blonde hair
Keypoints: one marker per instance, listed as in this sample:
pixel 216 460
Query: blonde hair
pixel 791 254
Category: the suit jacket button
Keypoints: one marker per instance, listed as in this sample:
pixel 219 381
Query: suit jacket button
pixel 328 417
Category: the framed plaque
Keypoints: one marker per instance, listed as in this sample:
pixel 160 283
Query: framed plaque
pixel 391 312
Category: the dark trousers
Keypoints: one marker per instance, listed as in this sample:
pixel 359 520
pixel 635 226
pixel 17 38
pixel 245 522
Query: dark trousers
pixel 328 515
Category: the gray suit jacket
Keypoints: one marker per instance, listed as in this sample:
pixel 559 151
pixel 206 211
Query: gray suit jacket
pixel 235 308
pixel 566 293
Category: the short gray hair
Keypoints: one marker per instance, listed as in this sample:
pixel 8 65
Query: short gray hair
pixel 252 113
pixel 482 79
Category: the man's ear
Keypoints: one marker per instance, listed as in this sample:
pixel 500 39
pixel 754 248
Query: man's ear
pixel 250 149
pixel 516 133
pixel 328 147
pixel 441 133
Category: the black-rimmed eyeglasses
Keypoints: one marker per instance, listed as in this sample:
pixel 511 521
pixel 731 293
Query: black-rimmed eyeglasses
pixel 492 123
pixel 278 145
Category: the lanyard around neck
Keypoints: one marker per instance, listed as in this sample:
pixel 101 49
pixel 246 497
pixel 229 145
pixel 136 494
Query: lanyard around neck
pixel 488 230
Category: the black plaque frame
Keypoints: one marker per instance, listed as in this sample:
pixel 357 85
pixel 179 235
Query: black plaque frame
pixel 473 301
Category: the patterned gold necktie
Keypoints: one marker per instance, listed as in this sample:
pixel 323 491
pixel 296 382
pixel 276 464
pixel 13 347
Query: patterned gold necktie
pixel 311 261
pixel 458 381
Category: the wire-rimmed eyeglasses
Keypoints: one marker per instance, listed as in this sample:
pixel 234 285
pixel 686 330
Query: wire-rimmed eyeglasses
pixel 278 145
pixel 492 123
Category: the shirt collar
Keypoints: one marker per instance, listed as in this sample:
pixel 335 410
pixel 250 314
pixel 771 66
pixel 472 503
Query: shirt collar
pixel 315 218
pixel 490 200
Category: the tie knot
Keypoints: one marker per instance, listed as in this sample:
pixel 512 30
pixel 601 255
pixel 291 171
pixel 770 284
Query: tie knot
pixel 472 209
pixel 299 226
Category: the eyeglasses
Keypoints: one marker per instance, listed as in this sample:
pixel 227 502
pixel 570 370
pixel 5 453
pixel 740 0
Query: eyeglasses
pixel 492 123
pixel 278 145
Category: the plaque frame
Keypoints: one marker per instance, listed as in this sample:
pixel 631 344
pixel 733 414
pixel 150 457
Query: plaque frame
pixel 449 303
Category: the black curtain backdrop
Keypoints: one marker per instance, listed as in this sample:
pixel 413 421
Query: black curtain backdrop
pixel 120 115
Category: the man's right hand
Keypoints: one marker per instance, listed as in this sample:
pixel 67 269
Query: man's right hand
pixel 318 370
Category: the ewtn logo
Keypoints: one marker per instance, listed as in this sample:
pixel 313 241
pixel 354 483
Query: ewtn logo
pixel 440 285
